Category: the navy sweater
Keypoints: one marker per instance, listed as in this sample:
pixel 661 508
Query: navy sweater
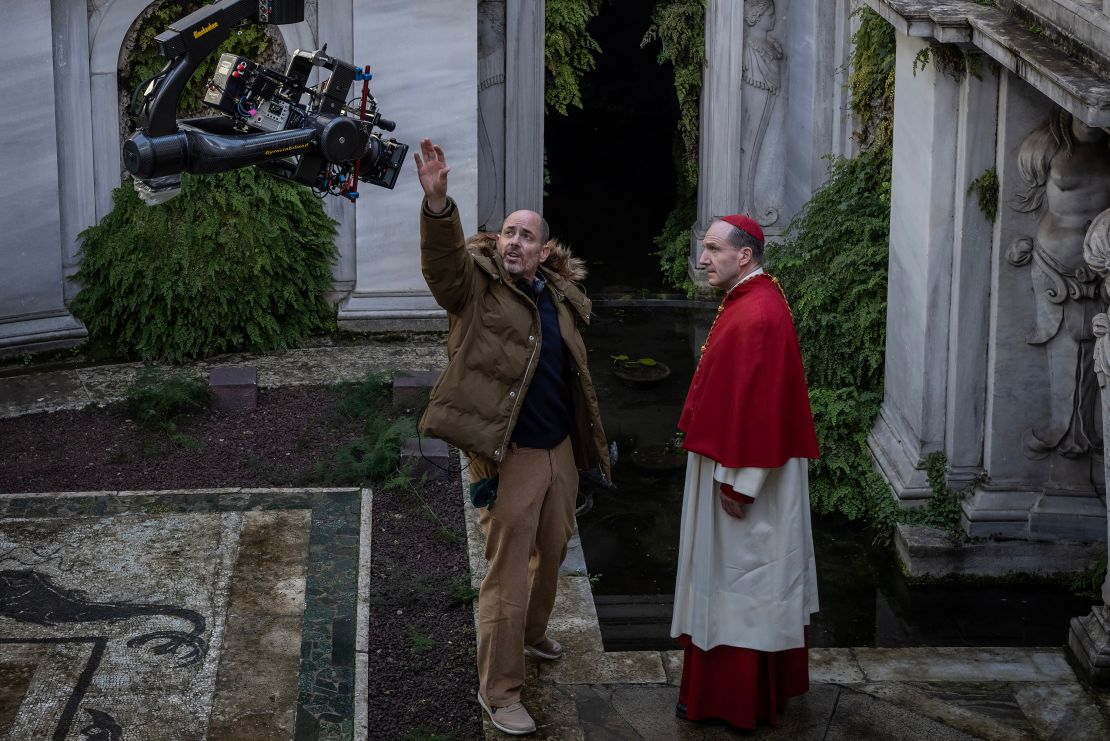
pixel 544 418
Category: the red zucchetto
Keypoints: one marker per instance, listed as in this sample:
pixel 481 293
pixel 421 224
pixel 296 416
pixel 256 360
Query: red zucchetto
pixel 740 221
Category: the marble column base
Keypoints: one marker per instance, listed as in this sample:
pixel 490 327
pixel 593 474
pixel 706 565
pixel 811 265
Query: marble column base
pixel 1089 645
pixel 391 312
pixel 902 467
pixel 40 333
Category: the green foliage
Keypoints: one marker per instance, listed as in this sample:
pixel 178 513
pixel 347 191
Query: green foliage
pixel 674 243
pixel 144 61
pixel 369 459
pixel 871 82
pixel 418 641
pixel 943 509
pixel 461 590
pixel 237 261
pixel 1089 583
pixel 156 400
pixel 154 397
pixel 678 26
pixel 986 188
pixel 569 50
pixel 374 457
pixel 833 267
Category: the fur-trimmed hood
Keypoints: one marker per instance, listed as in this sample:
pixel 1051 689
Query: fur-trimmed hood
pixel 560 261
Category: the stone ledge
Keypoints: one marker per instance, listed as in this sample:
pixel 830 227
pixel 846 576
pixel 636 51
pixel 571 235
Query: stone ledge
pixel 929 552
pixel 1036 60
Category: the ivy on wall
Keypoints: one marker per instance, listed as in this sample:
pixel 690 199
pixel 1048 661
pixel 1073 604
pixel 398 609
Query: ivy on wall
pixel 569 50
pixel 833 267
pixel 144 60
pixel 237 261
pixel 678 27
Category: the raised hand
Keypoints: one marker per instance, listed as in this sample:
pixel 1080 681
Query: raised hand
pixel 432 170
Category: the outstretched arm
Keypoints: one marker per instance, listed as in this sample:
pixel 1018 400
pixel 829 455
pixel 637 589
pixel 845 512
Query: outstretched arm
pixel 432 169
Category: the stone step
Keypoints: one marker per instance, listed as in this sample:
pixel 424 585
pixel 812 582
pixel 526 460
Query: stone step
pixel 411 388
pixel 428 457
pixel 233 389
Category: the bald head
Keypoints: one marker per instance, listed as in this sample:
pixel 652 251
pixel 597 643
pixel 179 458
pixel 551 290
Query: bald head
pixel 522 243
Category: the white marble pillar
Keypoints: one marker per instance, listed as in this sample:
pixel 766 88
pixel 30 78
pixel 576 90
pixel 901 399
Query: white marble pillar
pixel 911 423
pixel 969 322
pixel 524 87
pixel 33 253
pixel 815 105
pixel 73 127
pixel 425 78
pixel 720 141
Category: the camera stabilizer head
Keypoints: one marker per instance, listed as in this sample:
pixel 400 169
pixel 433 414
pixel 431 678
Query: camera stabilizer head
pixel 327 144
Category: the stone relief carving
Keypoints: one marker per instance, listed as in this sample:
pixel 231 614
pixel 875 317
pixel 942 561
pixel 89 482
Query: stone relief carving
pixel 491 114
pixel 762 76
pixel 1096 251
pixel 1065 165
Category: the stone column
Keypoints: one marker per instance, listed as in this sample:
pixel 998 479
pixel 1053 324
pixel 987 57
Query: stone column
pixel 425 78
pixel 74 130
pixel 721 136
pixel 815 109
pixel 33 250
pixel 524 85
pixel 1089 636
pixel 334 26
pixel 911 423
pixel 969 323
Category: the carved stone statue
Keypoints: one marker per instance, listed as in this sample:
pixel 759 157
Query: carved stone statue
pixel 762 77
pixel 491 114
pixel 1065 165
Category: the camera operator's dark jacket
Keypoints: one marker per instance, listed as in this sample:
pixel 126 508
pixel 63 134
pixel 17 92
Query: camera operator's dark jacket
pixel 493 343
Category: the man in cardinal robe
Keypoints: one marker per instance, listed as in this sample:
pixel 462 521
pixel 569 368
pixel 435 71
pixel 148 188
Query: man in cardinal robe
pixel 747 582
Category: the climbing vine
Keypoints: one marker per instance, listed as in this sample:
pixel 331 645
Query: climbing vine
pixel 985 187
pixel 833 267
pixel 144 60
pixel 569 50
pixel 678 28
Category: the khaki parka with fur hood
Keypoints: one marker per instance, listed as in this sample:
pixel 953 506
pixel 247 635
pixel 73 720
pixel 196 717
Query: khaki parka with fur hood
pixel 493 343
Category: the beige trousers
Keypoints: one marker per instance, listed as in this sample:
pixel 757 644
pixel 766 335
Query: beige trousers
pixel 526 540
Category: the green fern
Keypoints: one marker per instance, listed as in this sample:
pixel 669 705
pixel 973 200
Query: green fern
pixel 238 261
pixel 569 50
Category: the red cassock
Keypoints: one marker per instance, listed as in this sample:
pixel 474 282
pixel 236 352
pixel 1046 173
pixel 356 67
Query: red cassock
pixel 747 407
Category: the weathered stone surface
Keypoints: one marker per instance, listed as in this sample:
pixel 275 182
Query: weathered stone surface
pixel 428 456
pixel 233 389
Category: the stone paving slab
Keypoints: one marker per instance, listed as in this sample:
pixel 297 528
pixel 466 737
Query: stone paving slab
pixel 219 614
pixel 1004 694
pixel 79 387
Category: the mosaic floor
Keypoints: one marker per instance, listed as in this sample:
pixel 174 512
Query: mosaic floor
pixel 180 615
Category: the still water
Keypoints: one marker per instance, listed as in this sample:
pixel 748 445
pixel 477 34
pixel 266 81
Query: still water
pixel 630 537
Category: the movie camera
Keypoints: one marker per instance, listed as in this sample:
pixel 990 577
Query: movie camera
pixel 326 140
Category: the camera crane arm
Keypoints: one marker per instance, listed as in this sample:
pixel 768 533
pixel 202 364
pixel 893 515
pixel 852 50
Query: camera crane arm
pixel 190 40
pixel 323 144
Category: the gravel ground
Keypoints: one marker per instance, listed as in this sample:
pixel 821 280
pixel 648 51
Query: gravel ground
pixel 422 675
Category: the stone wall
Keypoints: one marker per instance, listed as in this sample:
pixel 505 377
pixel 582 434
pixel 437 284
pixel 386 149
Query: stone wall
pixel 61 156
pixel 989 339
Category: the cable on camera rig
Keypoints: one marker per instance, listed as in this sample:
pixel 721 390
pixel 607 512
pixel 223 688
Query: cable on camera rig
pixel 324 143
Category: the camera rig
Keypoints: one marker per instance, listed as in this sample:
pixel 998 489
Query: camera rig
pixel 328 143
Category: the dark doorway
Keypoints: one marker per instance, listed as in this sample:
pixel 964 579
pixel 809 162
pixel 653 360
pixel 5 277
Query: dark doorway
pixel 610 163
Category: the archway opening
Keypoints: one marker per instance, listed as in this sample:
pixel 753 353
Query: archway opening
pixel 610 163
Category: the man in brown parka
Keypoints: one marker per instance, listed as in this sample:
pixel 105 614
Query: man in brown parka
pixel 517 397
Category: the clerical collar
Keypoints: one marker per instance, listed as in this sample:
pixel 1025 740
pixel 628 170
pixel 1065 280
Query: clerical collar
pixel 749 276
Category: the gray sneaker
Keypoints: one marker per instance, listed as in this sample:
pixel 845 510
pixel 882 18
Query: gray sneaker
pixel 512 719
pixel 548 649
